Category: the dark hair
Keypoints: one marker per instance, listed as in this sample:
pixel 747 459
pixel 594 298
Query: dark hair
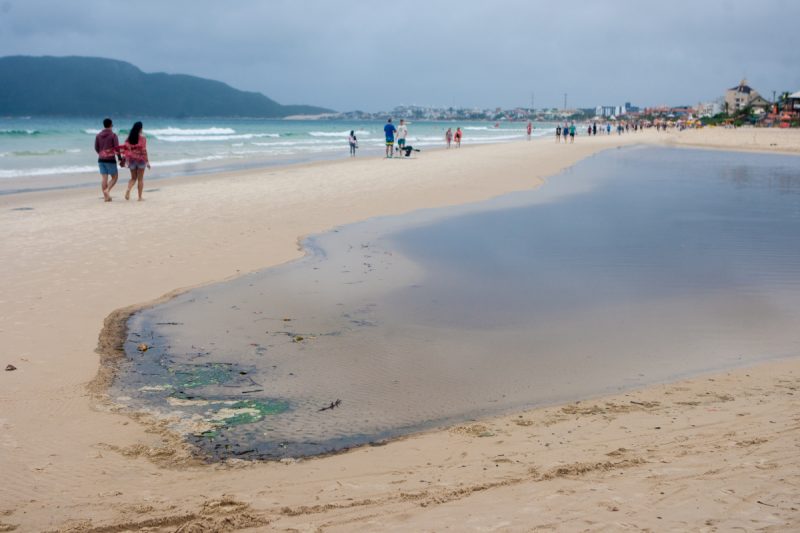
pixel 390 119
pixel 133 136
pixel 107 123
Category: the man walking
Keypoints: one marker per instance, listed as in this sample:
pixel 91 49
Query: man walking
pixel 389 130
pixel 106 144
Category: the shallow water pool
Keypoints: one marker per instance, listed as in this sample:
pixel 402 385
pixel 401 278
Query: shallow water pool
pixel 635 266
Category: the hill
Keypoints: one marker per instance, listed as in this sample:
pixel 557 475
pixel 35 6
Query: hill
pixel 84 86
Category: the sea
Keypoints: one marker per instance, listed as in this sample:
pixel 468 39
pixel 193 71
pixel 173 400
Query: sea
pixel 53 153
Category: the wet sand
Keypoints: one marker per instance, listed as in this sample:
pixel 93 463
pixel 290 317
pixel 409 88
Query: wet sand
pixel 716 451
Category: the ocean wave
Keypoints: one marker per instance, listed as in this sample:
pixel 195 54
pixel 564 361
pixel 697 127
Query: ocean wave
pixel 336 133
pixel 48 171
pixel 208 137
pixel 492 128
pixel 27 172
pixel 175 162
pixel 20 133
pixel 191 131
pixel 301 144
pixel 29 153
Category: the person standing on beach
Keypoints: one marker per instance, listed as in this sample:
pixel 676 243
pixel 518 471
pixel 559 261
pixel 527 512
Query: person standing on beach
pixel 106 144
pixel 572 133
pixel 135 150
pixel 448 136
pixel 389 130
pixel 353 143
pixel 457 137
pixel 402 133
pixel 558 134
pixel 530 128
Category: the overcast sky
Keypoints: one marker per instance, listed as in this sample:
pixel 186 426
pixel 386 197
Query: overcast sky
pixel 371 55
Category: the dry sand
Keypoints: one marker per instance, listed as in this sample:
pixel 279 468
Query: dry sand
pixel 712 453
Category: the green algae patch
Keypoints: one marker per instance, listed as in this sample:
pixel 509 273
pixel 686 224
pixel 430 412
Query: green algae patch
pixel 247 412
pixel 195 376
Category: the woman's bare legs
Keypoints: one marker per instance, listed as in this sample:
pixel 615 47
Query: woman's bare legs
pixel 137 177
pixel 140 178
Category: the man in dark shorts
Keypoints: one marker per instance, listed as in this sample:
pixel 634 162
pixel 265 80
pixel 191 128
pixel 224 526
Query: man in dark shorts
pixel 106 144
pixel 402 133
pixel 389 130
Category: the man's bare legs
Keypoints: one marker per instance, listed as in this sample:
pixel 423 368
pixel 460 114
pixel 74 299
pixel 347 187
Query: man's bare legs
pixel 114 178
pixel 106 186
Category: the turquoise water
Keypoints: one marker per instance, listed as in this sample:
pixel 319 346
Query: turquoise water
pixel 633 267
pixel 51 153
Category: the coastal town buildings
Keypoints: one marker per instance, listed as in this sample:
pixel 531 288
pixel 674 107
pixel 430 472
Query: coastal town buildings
pixel 742 96
pixel 709 109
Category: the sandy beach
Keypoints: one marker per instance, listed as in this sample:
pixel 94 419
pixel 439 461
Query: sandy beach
pixel 712 453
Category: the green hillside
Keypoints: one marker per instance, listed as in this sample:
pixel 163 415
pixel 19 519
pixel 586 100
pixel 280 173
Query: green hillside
pixel 90 86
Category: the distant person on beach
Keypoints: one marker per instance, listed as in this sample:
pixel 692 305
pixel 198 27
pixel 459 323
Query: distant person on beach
pixel 530 128
pixel 558 134
pixel 135 151
pixel 572 133
pixel 608 128
pixel 106 144
pixel 402 133
pixel 457 137
pixel 353 143
pixel 594 128
pixel 389 130
pixel 448 136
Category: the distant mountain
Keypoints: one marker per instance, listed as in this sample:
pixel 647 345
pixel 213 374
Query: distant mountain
pixel 83 86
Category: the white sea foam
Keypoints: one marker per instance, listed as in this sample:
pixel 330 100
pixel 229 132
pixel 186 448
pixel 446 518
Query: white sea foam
pixel 301 143
pixel 175 162
pixel 336 133
pixel 19 132
pixel 48 171
pixel 25 172
pixel 209 137
pixel 169 130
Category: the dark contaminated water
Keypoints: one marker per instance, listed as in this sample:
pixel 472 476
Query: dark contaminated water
pixel 635 266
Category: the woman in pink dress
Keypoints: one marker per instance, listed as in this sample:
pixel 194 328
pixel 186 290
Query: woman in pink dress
pixel 135 152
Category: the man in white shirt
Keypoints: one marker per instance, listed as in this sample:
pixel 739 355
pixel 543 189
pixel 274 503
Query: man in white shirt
pixel 402 133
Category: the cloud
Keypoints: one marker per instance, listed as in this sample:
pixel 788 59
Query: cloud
pixel 371 55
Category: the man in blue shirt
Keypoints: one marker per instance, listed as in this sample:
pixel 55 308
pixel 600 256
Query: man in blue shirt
pixel 389 130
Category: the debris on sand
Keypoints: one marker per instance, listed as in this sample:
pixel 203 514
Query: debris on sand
pixel 333 405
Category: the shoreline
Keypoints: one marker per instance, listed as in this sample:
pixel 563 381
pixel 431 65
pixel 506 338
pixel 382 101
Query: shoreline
pixel 44 384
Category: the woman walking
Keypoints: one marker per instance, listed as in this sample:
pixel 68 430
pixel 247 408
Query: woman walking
pixel 135 152
pixel 353 140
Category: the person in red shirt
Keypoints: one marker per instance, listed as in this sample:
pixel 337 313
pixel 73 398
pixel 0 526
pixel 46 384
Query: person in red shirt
pixel 106 144
pixel 135 152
